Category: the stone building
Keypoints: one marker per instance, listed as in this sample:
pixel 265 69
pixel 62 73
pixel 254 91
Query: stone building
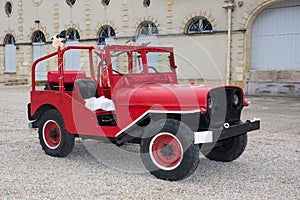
pixel 251 43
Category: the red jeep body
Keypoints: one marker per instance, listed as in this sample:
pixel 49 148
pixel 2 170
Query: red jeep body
pixel 144 95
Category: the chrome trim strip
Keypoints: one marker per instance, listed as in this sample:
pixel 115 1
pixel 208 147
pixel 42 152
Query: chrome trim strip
pixel 157 112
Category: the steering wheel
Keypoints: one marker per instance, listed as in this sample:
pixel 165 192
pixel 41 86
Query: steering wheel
pixel 153 68
pixel 118 72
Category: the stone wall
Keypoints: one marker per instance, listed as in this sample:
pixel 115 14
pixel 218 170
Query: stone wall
pixel 201 53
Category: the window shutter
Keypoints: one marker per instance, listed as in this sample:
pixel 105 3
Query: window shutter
pixel 10 58
pixel 39 50
pixel 72 57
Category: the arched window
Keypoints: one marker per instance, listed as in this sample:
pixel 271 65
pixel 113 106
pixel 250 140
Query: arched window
pixel 198 25
pixel 147 35
pixel 70 2
pixel 73 35
pixel 38 37
pixel 72 57
pixel 37 2
pixel 105 2
pixel 146 3
pixel 107 32
pixel 39 50
pixel 147 28
pixel 9 39
pixel 10 53
pixel 8 8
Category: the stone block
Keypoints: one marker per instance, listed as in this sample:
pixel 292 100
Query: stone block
pixel 237 77
pixel 239 69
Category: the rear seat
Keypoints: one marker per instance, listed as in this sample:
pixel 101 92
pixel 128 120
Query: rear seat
pixel 69 78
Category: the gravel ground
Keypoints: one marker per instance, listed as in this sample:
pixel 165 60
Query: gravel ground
pixel 268 169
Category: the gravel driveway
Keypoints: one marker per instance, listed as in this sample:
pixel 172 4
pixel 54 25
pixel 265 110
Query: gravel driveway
pixel 268 169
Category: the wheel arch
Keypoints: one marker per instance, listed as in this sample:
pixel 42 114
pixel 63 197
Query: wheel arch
pixel 39 112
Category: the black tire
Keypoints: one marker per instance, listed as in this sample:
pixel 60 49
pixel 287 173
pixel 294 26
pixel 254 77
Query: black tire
pixel 226 150
pixel 173 155
pixel 54 138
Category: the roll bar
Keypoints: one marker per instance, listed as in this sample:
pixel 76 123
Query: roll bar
pixel 60 53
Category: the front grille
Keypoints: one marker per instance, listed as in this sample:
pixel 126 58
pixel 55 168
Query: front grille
pixel 222 108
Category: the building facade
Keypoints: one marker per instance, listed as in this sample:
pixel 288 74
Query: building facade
pixel 251 43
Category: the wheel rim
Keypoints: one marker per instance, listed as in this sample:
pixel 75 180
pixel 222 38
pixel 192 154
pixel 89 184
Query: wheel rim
pixel 51 134
pixel 166 151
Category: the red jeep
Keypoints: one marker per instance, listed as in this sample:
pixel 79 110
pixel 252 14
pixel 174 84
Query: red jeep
pixel 130 94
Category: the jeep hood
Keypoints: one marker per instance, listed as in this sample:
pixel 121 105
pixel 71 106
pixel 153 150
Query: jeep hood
pixel 164 96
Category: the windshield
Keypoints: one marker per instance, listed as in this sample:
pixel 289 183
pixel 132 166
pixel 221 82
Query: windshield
pixel 159 62
pixel 138 62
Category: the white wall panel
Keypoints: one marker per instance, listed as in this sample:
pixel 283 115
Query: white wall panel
pixel 275 39
pixel 10 58
pixel 72 57
pixel 39 50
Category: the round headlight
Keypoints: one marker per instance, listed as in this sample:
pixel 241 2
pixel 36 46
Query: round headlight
pixel 235 100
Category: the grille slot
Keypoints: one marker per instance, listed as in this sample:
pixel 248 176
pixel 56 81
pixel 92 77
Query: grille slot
pixel 223 109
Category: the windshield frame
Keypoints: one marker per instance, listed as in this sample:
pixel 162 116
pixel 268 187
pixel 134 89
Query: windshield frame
pixel 142 51
pixel 131 77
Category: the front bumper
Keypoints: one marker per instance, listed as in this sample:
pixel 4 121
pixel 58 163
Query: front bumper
pixel 217 134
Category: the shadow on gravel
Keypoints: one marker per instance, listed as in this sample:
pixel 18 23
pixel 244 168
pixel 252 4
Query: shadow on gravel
pixel 126 159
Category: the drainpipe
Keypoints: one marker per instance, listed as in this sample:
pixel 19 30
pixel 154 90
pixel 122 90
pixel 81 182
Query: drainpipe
pixel 229 5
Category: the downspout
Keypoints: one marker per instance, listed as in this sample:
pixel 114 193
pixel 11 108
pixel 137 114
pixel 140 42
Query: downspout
pixel 229 5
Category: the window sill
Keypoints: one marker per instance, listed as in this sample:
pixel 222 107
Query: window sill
pixel 10 72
